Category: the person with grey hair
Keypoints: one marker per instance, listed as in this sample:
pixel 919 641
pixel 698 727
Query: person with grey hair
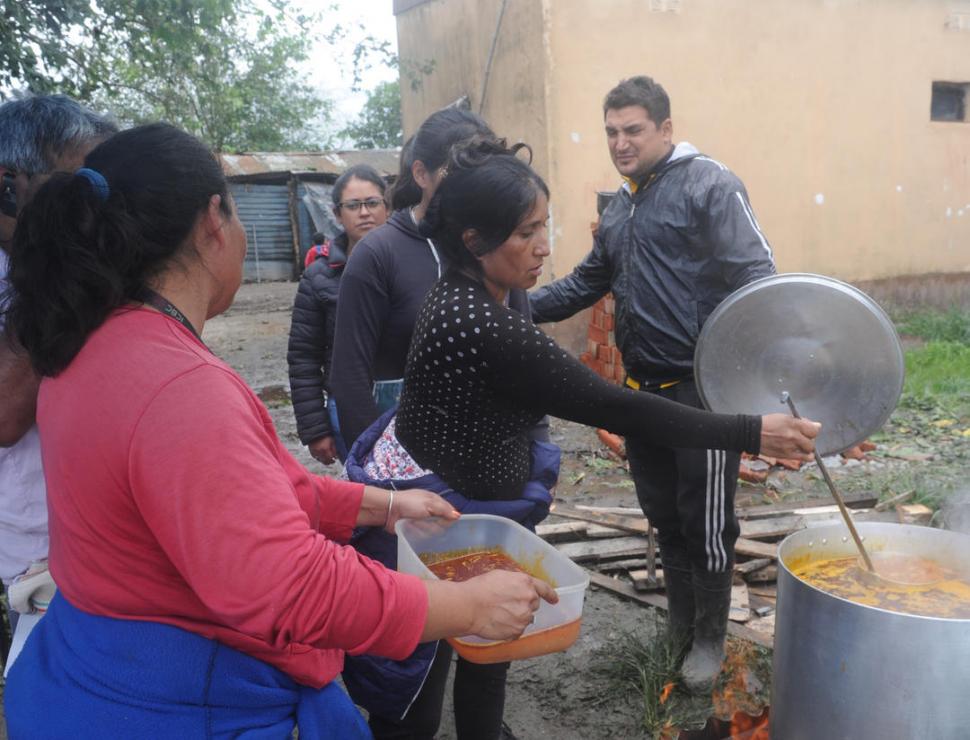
pixel 39 136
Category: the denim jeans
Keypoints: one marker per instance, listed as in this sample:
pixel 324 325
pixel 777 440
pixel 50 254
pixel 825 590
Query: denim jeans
pixel 338 438
pixel 387 393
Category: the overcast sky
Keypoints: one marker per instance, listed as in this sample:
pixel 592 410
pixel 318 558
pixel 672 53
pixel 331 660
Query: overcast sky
pixel 332 71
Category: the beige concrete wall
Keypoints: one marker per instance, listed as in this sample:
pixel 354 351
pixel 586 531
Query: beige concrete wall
pixel 821 106
pixel 457 35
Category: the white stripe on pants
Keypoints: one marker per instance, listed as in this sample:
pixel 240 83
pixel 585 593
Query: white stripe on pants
pixel 714 512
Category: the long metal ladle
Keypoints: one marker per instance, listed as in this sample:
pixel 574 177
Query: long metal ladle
pixel 786 398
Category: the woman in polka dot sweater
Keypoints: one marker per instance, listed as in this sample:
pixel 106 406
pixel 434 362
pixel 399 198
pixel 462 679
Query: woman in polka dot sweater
pixel 479 375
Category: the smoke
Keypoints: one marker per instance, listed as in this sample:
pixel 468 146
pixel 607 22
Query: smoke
pixel 955 511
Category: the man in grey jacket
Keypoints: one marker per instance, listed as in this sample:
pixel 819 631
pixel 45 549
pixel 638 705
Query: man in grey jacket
pixel 678 237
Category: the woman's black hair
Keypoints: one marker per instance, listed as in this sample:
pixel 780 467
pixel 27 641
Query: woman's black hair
pixel 360 172
pixel 430 145
pixel 487 188
pixel 80 251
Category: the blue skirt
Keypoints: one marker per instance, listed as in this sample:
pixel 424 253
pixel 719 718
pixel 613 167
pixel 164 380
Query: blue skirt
pixel 84 676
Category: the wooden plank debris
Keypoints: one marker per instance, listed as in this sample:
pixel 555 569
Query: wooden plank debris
pixel 601 532
pixel 739 610
pixel 755 549
pixel 601 525
pixel 622 510
pixel 914 514
pixel 752 565
pixel 626 591
pixel 769 527
pixel 768 574
pixel 643 582
pixel 561 531
pixel 617 547
pixel 614 566
pixel 899 498
pixel 857 501
pixel 763 592
pixel 762 626
pixel 625 522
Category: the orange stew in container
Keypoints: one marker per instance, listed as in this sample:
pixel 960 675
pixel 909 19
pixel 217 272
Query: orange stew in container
pixel 473 564
pixel 461 565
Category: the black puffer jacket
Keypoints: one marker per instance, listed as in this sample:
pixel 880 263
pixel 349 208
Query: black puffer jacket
pixel 311 340
pixel 670 253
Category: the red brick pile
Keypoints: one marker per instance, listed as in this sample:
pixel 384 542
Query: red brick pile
pixel 601 354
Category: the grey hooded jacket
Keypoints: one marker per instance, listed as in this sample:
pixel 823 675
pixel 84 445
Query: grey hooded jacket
pixel 670 253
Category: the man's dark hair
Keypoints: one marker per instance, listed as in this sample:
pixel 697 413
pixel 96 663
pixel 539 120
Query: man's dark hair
pixel 642 91
pixel 37 129
pixel 80 250
pixel 360 172
pixel 319 238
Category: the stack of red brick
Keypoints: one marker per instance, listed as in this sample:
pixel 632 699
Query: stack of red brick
pixel 604 359
pixel 601 354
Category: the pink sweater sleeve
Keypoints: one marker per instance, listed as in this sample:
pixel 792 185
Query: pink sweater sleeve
pixel 331 504
pixel 221 496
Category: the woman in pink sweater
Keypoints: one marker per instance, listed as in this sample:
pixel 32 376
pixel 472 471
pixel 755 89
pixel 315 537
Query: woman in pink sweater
pixel 202 583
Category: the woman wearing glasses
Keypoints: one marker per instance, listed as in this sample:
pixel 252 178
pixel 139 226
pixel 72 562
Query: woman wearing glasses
pixel 388 277
pixel 359 205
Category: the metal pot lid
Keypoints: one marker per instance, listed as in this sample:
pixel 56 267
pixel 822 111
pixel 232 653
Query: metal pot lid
pixel 825 342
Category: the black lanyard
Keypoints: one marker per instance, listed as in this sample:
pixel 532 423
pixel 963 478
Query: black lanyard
pixel 149 296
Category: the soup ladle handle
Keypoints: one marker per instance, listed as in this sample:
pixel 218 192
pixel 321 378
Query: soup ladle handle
pixel 786 398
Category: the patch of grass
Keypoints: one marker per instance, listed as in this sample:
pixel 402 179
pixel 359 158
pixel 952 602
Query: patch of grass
pixel 936 326
pixel 646 672
pixel 939 372
pixel 642 668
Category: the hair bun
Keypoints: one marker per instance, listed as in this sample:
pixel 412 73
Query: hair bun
pixel 476 151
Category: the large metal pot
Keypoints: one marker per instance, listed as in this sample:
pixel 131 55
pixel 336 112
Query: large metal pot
pixel 848 671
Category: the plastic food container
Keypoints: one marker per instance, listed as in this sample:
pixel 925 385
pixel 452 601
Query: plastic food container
pixel 556 626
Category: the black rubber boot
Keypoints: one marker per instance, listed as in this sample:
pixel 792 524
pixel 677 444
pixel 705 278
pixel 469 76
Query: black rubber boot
pixel 712 599
pixel 678 581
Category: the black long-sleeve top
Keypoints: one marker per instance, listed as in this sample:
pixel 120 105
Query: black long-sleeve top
pixel 384 283
pixel 479 375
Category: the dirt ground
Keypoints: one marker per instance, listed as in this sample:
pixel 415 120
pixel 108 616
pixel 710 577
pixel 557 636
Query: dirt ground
pixel 568 696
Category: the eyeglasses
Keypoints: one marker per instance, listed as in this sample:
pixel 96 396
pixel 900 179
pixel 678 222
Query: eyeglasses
pixel 371 204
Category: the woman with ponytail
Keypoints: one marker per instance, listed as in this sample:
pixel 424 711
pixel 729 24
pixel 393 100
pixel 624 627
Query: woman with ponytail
pixel 479 376
pixel 203 591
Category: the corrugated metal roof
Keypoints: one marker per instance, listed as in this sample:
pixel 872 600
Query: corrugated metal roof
pixel 384 161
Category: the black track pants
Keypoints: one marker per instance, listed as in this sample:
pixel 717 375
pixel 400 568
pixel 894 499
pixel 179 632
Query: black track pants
pixel 688 494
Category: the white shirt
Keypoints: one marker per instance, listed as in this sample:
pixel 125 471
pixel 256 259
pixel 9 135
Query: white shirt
pixel 23 494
